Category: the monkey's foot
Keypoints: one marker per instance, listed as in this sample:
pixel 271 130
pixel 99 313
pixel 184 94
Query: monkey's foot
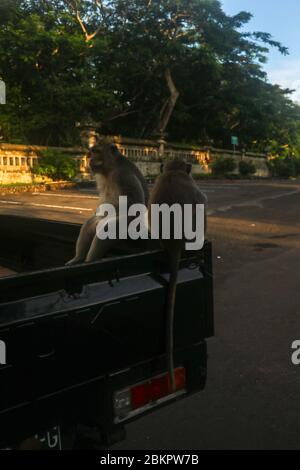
pixel 75 260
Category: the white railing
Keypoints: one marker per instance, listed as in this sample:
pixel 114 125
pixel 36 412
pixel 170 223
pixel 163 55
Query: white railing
pixel 13 163
pixel 151 153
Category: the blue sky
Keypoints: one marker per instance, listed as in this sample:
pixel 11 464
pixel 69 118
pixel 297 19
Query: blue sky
pixel 282 20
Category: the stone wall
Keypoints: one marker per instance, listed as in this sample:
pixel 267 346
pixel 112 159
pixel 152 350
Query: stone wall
pixel 259 160
pixel 17 161
pixel 146 155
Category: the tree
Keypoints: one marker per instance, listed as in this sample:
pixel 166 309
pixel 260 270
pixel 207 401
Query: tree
pixel 141 67
pixel 49 72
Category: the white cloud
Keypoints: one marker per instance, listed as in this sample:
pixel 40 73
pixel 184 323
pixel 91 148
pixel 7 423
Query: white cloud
pixel 287 75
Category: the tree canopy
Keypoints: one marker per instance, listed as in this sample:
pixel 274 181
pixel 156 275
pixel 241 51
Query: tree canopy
pixel 140 67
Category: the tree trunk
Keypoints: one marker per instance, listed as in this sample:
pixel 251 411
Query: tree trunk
pixel 168 107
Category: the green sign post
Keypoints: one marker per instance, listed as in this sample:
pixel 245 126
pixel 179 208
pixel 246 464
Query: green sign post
pixel 234 142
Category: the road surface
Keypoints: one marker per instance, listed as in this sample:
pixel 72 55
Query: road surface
pixel 253 391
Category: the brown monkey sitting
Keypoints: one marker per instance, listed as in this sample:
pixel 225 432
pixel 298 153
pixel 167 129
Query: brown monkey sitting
pixel 175 186
pixel 115 176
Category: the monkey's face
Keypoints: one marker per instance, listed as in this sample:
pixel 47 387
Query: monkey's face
pixel 102 159
pixel 96 161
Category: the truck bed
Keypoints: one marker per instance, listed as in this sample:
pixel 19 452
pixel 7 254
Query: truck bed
pixel 77 334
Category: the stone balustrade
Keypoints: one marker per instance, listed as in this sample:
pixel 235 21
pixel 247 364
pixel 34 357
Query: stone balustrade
pixel 17 161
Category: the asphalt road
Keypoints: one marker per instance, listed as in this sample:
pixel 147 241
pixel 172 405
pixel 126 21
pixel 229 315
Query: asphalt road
pixel 253 391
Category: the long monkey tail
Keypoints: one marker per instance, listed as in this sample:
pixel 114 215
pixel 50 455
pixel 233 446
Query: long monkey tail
pixel 175 257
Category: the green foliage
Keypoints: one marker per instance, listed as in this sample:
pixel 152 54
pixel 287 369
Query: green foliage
pixel 246 168
pixel 223 166
pixel 285 167
pixel 55 77
pixel 56 165
pixel 297 166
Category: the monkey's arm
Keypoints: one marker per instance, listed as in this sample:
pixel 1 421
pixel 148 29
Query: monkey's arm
pixel 133 189
pixel 129 185
pixel 85 239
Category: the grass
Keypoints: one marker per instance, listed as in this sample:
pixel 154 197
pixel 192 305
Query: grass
pixel 18 185
pixel 42 185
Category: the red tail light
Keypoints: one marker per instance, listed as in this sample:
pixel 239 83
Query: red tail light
pixel 130 401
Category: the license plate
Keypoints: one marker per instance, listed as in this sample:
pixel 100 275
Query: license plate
pixel 50 440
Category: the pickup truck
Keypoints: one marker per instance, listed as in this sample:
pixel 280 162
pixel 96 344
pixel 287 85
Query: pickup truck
pixel 85 345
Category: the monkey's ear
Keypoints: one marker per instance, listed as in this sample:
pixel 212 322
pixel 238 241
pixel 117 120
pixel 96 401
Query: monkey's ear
pixel 162 167
pixel 189 167
pixel 114 149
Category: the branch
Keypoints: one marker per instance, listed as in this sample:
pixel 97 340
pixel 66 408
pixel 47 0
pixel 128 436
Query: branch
pixel 236 124
pixel 94 34
pixel 183 15
pixel 122 115
pixel 102 10
pixel 82 25
pixel 173 90
pixel 74 7
pixel 182 34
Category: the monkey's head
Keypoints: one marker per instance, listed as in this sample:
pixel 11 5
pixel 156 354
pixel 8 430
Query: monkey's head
pixel 103 158
pixel 177 164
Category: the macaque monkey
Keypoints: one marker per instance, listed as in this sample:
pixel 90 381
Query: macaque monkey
pixel 175 185
pixel 115 176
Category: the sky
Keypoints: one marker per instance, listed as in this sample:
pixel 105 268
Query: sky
pixel 282 20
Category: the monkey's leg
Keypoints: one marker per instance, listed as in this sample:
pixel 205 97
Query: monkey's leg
pixel 85 239
pixel 100 248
